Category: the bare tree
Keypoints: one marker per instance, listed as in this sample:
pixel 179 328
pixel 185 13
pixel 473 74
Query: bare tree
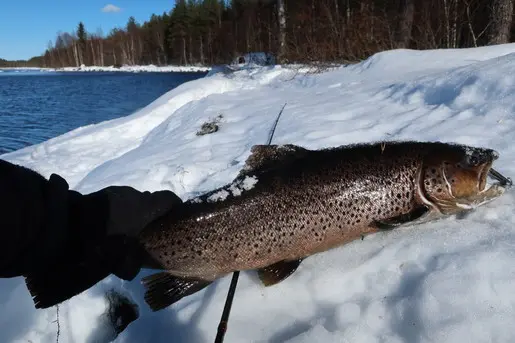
pixel 501 18
pixel 282 30
pixel 403 36
pixel 470 14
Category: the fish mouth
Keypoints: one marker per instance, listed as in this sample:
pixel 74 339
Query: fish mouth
pixel 502 180
pixel 487 173
pixel 483 177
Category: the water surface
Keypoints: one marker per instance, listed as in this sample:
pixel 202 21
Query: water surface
pixel 36 106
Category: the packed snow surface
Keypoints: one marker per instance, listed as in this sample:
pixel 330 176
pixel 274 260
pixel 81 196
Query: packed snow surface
pixel 445 281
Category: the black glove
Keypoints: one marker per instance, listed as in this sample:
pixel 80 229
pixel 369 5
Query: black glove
pixel 114 216
pixel 64 242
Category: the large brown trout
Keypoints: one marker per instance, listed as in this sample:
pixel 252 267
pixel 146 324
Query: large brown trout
pixel 289 202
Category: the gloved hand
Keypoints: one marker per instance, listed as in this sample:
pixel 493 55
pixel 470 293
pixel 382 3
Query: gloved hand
pixel 114 216
pixel 64 242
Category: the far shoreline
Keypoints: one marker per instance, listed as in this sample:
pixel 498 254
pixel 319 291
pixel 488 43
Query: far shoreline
pixel 124 68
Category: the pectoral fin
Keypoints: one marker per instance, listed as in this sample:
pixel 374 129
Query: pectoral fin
pixel 394 222
pixel 164 289
pixel 277 272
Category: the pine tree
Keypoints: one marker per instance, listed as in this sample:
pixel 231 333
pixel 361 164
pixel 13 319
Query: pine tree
pixel 82 37
pixel 134 41
pixel 179 28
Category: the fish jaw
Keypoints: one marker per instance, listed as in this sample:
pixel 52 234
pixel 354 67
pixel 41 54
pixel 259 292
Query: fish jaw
pixel 489 194
pixel 472 202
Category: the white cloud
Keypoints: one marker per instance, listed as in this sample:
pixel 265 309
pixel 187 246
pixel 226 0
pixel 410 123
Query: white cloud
pixel 110 8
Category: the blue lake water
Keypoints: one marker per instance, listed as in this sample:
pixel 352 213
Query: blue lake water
pixel 36 106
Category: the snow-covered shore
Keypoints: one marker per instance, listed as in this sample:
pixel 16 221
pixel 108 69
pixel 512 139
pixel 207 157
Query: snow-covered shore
pixel 125 68
pixel 135 69
pixel 446 281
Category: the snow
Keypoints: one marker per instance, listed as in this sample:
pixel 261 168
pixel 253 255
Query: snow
pixel 444 281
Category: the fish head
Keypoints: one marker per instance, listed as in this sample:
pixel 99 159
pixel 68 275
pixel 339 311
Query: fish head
pixel 455 178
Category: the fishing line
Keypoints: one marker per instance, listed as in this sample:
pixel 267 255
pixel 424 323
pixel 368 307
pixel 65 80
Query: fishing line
pixel 222 326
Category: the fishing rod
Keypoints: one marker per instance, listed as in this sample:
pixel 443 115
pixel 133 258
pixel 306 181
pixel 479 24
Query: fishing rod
pixel 222 326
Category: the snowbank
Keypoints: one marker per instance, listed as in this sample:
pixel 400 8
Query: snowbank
pixel 135 69
pixel 447 281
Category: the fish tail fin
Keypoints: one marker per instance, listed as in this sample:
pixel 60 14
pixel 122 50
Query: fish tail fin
pixel 164 289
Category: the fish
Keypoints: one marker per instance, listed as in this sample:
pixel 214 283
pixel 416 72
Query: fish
pixel 288 203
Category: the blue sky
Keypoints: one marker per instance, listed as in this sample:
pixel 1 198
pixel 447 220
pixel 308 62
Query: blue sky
pixel 26 26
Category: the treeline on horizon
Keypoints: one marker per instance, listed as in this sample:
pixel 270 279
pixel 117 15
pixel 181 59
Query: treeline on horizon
pixel 213 31
pixel 33 62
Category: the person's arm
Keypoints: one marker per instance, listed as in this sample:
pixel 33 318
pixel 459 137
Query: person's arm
pixel 64 242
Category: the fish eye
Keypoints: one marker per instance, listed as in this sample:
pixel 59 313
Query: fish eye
pixel 473 161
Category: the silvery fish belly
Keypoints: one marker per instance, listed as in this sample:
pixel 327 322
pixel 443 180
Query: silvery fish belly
pixel 289 202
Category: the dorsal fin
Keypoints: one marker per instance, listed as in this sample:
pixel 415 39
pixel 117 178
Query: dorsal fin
pixel 265 157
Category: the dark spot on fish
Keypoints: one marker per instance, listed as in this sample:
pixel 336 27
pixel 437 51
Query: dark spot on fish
pixel 433 170
pixel 256 245
pixel 439 190
pixel 235 255
pixel 165 253
pixel 269 250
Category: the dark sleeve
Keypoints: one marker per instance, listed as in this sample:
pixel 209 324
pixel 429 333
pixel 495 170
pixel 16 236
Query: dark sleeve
pixel 25 216
pixel 44 224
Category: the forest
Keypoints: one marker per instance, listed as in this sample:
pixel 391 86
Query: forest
pixel 211 32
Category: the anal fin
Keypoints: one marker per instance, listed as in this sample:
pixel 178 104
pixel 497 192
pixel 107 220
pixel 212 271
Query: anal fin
pixel 277 272
pixel 394 222
pixel 163 289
